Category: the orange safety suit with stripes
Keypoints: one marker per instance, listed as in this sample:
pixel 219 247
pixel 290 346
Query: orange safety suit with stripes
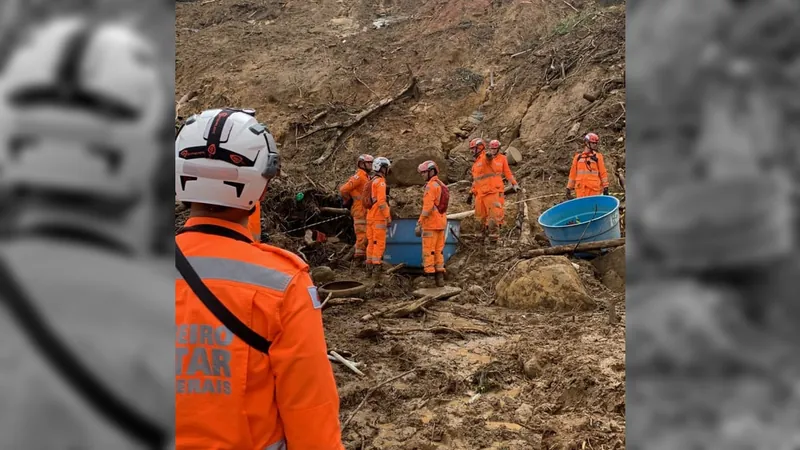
pixel 352 190
pixel 233 397
pixel 588 174
pixel 433 225
pixel 488 189
pixel 254 223
pixel 378 219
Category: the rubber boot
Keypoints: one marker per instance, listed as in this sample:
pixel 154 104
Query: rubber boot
pixel 369 270
pixel 439 279
pixel 377 271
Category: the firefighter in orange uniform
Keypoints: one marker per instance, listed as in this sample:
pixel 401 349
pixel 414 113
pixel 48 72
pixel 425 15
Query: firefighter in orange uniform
pixel 254 223
pixel 488 188
pixel 229 395
pixel 588 175
pixel 378 217
pixel 432 223
pixel 351 193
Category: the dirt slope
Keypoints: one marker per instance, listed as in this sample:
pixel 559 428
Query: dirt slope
pixel 508 69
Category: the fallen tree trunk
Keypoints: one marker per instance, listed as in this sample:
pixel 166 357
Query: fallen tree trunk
pixel 566 249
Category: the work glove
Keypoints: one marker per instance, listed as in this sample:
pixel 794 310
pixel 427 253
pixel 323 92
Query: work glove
pixel 568 193
pixel 388 221
pixel 418 231
pixel 605 191
pixel 516 188
pixel 469 200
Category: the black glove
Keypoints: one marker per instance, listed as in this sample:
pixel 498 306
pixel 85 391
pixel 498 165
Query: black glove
pixel 469 200
pixel 605 191
pixel 568 192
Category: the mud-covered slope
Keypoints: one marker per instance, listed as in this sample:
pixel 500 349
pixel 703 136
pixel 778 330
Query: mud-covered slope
pixel 513 70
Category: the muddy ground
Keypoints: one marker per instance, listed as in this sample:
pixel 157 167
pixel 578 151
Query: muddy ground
pixel 521 71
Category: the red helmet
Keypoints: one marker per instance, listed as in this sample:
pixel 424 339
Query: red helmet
pixel 426 166
pixel 477 145
pixel 494 144
pixel 592 141
pixel 365 162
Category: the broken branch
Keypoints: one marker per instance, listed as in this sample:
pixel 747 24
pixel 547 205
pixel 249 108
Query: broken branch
pixel 567 249
pixel 344 128
pixel 347 363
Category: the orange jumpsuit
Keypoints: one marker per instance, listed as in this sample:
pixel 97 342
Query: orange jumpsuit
pixel 229 395
pixel 378 218
pixel 588 174
pixel 353 189
pixel 488 189
pixel 433 225
pixel 254 223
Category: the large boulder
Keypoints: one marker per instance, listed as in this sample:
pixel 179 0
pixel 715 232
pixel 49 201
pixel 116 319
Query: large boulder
pixel 404 169
pixel 546 282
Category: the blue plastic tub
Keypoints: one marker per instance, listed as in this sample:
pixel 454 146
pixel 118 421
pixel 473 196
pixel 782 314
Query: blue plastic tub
pixel 577 220
pixel 402 246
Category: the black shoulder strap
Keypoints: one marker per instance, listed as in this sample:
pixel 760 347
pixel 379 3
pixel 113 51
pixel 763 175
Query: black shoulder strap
pixel 220 311
pixel 101 399
pixel 216 230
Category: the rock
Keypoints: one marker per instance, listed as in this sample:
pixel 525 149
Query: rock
pixel 404 168
pixel 322 274
pixel 514 156
pixel 524 413
pixel 546 282
pixel 573 130
pixel 532 368
pixel 612 261
pixel 613 281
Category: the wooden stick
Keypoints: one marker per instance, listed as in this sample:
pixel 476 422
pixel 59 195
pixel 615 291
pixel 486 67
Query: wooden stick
pixel 566 249
pixel 621 178
pixel 395 268
pixel 322 306
pixel 461 215
pixel 347 363
pixel 404 310
pixel 370 392
pixel 334 211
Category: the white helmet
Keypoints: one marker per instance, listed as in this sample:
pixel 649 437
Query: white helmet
pixel 224 157
pixel 380 162
pixel 82 106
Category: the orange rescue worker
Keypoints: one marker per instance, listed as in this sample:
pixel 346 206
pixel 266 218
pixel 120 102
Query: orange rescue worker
pixel 254 223
pixel 378 217
pixel 229 395
pixel 432 223
pixel 488 188
pixel 350 194
pixel 588 174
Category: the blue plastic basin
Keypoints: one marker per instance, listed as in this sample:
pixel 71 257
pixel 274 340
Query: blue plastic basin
pixel 577 220
pixel 402 246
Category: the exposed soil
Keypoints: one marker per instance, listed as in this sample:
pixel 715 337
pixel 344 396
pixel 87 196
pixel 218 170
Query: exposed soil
pixel 484 376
